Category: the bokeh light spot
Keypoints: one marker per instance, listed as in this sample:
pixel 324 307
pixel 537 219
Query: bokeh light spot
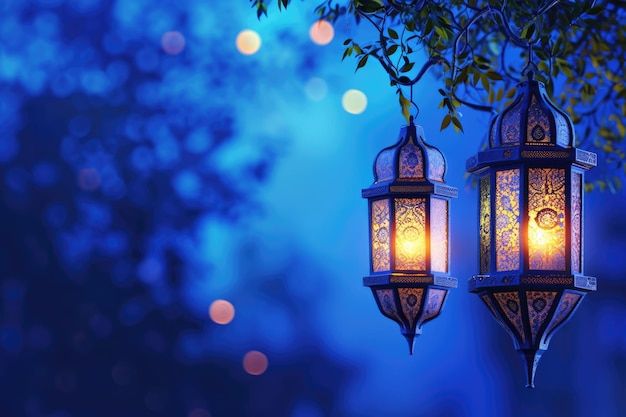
pixel 222 311
pixel 248 42
pixel 322 32
pixel 354 101
pixel 88 179
pixel 173 42
pixel 316 89
pixel 255 362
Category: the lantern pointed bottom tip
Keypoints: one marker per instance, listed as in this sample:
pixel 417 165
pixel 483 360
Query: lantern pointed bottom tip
pixel 531 360
pixel 410 338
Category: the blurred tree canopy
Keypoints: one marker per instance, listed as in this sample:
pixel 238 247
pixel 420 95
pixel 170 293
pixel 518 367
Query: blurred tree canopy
pixel 479 50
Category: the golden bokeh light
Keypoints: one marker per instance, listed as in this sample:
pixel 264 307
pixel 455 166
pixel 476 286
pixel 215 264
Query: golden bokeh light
pixel 255 362
pixel 322 32
pixel 221 311
pixel 354 101
pixel 248 42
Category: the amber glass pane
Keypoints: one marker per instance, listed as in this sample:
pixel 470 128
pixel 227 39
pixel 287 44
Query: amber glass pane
pixel 507 220
pixel 380 235
pixel 546 219
pixel 576 222
pixel 439 235
pixel 410 238
pixel 485 224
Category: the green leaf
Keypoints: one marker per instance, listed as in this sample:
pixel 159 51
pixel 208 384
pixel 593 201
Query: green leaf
pixel 362 62
pixel 457 123
pixel 407 67
pixel 391 50
pixel 528 31
pixel 445 122
pixel 392 33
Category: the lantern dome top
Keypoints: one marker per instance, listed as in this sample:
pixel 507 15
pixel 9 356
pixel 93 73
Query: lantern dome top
pixel 411 159
pixel 531 120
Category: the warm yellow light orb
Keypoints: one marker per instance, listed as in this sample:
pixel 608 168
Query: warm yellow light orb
pixel 255 362
pixel 221 311
pixel 322 32
pixel 354 101
pixel 248 42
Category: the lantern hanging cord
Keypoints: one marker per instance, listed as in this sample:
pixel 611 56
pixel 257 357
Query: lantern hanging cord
pixel 417 108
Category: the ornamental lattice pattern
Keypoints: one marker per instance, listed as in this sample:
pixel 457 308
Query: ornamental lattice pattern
pixel 380 236
pixel 388 304
pixel 538 127
pixel 510 126
pixel 436 165
pixel 485 224
pixel 546 219
pixel 439 235
pixel 562 130
pixel 507 220
pixel 576 222
pixel 510 305
pixel 384 166
pixel 411 162
pixel 567 304
pixel 411 301
pixel 410 241
pixel 434 303
pixel 539 304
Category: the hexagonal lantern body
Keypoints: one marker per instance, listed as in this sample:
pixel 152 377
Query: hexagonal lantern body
pixel 409 232
pixel 531 184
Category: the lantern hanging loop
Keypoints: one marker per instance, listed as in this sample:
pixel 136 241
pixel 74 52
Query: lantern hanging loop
pixel 417 108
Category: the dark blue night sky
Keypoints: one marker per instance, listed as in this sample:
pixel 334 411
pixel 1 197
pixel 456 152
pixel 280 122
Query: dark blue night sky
pixel 148 169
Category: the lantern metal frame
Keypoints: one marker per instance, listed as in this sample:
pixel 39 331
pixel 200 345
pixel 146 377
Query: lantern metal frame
pixel 395 279
pixel 531 337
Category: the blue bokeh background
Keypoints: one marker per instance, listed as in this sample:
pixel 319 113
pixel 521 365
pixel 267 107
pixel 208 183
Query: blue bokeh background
pixel 140 186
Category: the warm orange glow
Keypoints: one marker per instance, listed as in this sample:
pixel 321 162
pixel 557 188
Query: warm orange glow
pixel 322 32
pixel 221 311
pixel 255 362
pixel 248 42
pixel 544 241
pixel 411 243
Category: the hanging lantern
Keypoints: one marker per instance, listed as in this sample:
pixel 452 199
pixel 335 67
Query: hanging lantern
pixel 409 232
pixel 531 186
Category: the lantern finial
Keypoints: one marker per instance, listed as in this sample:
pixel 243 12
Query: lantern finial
pixel 531 360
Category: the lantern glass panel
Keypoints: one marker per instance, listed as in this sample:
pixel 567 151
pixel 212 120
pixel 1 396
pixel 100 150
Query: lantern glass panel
pixel 485 224
pixel 384 166
pixel 546 219
pixel 538 128
pixel 439 235
pixel 411 162
pixel 576 222
pixel 507 220
pixel 410 235
pixel 380 235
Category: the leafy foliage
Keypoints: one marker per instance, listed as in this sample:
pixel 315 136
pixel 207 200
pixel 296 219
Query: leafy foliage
pixel 479 50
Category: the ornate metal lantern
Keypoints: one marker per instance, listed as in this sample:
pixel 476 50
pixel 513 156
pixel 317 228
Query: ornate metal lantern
pixel 531 221
pixel 409 232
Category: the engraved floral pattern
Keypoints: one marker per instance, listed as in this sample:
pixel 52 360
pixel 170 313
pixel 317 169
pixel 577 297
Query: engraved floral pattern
pixel 507 220
pixel 510 126
pixel 538 127
pixel 411 301
pixel 434 303
pixel 411 162
pixel 576 222
pixel 566 306
pixel 410 242
pixel 380 235
pixel 546 219
pixel 562 130
pixel 436 164
pixel 384 166
pixel 439 235
pixel 485 224
pixel 510 304
pixel 388 304
pixel 539 304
